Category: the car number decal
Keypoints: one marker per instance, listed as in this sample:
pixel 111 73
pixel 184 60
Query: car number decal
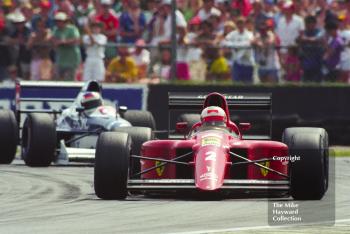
pixel 210 156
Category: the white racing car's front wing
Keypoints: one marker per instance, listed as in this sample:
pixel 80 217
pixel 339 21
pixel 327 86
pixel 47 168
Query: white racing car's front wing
pixel 69 154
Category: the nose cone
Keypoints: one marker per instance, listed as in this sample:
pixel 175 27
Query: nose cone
pixel 210 168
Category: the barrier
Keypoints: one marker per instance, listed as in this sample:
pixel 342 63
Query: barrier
pixel 132 96
pixel 314 106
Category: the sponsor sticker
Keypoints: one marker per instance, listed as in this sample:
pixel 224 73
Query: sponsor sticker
pixel 234 96
pixel 159 170
pixel 208 176
pixel 211 140
pixel 212 135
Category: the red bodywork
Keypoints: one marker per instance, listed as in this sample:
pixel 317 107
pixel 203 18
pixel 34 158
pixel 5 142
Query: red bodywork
pixel 211 155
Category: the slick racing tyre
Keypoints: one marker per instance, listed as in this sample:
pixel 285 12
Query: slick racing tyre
pixel 111 165
pixel 191 119
pixel 140 118
pixel 289 132
pixel 8 136
pixel 38 140
pixel 139 135
pixel 309 175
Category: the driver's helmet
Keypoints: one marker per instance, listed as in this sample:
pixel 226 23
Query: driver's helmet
pixel 213 116
pixel 91 101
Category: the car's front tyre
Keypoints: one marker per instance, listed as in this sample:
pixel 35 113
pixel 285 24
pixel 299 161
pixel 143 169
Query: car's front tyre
pixel 309 175
pixel 139 135
pixel 112 165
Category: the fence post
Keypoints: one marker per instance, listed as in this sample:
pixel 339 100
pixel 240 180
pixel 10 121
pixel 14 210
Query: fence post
pixel 173 40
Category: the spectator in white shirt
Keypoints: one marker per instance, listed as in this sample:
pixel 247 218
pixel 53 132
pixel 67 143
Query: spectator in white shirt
pixel 243 59
pixel 142 58
pixel 162 28
pixel 208 10
pixel 198 66
pixel 95 43
pixel 289 27
pixel 162 25
pixel 161 70
pixel 266 54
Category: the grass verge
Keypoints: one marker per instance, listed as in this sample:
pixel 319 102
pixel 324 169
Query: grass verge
pixel 339 151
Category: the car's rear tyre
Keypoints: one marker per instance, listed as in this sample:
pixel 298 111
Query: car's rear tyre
pixel 111 165
pixel 8 136
pixel 39 140
pixel 139 135
pixel 140 118
pixel 191 119
pixel 309 175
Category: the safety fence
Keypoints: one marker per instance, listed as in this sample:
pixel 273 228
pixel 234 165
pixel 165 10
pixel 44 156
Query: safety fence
pixel 198 62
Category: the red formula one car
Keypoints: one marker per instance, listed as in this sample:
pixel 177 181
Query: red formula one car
pixel 214 157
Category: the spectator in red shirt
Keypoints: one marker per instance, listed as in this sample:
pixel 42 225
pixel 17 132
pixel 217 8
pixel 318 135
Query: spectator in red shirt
pixel 242 7
pixel 109 20
pixel 110 26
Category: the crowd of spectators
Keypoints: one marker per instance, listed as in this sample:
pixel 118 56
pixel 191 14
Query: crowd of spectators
pixel 246 41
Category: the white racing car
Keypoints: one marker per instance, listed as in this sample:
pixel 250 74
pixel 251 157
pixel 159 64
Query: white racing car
pixel 67 135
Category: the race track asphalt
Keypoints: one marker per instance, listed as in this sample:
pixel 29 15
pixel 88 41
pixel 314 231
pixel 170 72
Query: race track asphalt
pixel 62 200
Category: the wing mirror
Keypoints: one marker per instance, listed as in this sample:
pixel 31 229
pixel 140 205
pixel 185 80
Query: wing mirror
pixel 122 110
pixel 182 127
pixel 244 126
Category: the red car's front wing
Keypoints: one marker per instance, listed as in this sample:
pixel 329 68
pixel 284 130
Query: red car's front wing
pixel 231 185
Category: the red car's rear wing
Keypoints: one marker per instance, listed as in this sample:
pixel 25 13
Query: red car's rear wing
pixel 235 101
pixel 182 102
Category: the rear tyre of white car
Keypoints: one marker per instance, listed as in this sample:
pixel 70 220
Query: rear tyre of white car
pixel 111 165
pixel 8 136
pixel 140 118
pixel 309 175
pixel 39 140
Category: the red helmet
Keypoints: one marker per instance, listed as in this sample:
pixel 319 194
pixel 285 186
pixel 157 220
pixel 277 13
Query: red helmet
pixel 213 114
pixel 91 101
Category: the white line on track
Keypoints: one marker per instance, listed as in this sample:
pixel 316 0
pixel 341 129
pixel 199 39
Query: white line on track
pixel 259 227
